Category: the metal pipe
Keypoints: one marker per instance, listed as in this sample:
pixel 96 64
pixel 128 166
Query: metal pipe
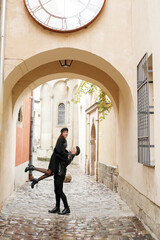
pixel 97 163
pixel 31 135
pixel 3 18
pixel 2 42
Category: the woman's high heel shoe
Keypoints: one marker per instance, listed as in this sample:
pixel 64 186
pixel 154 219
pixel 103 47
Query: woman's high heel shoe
pixel 31 167
pixel 34 181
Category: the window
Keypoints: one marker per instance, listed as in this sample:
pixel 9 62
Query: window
pixel 20 116
pixel 145 110
pixel 61 114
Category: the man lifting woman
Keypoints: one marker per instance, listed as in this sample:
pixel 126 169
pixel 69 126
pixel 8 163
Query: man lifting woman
pixel 59 161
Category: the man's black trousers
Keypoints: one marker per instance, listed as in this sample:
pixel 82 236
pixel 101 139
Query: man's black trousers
pixel 58 189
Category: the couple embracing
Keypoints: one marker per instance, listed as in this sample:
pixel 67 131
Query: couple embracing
pixel 59 161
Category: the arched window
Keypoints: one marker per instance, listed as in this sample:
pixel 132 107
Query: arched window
pixel 61 114
pixel 20 116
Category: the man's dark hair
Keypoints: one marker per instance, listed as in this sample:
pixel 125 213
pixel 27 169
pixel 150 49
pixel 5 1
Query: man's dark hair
pixel 78 150
pixel 64 129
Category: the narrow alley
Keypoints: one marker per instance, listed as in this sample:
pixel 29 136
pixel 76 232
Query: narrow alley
pixel 96 212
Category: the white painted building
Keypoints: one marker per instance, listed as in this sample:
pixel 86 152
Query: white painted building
pixel 54 108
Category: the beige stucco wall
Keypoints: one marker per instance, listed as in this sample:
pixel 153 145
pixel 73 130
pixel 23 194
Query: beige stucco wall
pixel 82 106
pixel 146 39
pixel 107 56
pixel 107 139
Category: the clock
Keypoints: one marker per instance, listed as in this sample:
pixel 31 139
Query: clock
pixel 64 15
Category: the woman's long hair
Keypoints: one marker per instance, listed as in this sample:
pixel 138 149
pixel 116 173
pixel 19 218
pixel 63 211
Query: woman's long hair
pixel 60 136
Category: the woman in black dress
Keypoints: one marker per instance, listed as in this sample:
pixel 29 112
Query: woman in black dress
pixel 54 162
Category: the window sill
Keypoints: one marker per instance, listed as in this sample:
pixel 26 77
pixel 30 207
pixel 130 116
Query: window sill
pixel 150 166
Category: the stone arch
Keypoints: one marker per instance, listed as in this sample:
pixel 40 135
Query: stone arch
pixel 57 83
pixel 45 91
pixel 44 67
pixel 60 89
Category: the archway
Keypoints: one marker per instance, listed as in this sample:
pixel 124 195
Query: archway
pixel 45 66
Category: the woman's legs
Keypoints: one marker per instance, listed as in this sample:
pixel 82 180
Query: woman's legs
pixel 44 176
pixel 44 170
pixel 35 180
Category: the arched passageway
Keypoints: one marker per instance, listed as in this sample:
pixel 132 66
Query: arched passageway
pixel 44 67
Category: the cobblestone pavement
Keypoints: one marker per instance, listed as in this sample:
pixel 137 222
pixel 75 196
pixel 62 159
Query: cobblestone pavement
pixel 96 212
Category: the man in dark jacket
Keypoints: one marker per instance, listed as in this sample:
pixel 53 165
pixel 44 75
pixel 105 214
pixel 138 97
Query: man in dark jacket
pixel 59 173
pixel 59 179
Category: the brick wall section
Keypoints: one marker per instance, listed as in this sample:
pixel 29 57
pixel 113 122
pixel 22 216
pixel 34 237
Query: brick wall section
pixel 108 175
pixel 23 134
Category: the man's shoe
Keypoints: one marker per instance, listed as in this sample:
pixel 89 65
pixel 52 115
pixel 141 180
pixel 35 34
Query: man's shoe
pixel 31 167
pixel 54 210
pixel 65 211
pixel 34 181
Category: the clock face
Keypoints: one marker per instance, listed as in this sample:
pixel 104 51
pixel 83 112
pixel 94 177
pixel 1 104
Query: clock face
pixel 64 15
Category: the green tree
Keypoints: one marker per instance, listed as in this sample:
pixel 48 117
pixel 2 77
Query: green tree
pixel 103 101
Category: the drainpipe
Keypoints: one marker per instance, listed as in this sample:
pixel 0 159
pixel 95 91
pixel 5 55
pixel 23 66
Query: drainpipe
pixel 97 150
pixel 2 39
pixel 31 135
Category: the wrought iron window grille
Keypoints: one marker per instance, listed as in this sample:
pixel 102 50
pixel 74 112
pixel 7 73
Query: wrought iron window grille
pixel 143 111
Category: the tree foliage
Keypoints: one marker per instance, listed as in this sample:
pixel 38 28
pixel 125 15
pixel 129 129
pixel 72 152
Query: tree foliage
pixel 103 102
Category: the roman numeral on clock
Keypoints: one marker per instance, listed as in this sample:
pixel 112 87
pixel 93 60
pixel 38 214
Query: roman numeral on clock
pixel 82 2
pixel 36 9
pixel 47 20
pixel 92 7
pixel 64 23
pixel 81 20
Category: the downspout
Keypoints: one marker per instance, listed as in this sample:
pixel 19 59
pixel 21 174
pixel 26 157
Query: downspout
pixel 97 150
pixel 31 135
pixel 2 42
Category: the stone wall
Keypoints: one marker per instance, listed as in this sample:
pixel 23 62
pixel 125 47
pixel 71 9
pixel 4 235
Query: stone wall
pixel 20 176
pixel 108 175
pixel 143 207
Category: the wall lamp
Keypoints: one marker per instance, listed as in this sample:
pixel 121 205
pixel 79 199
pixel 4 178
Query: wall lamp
pixel 65 63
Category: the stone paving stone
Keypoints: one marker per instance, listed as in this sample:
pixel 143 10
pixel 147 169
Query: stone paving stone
pixel 96 212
